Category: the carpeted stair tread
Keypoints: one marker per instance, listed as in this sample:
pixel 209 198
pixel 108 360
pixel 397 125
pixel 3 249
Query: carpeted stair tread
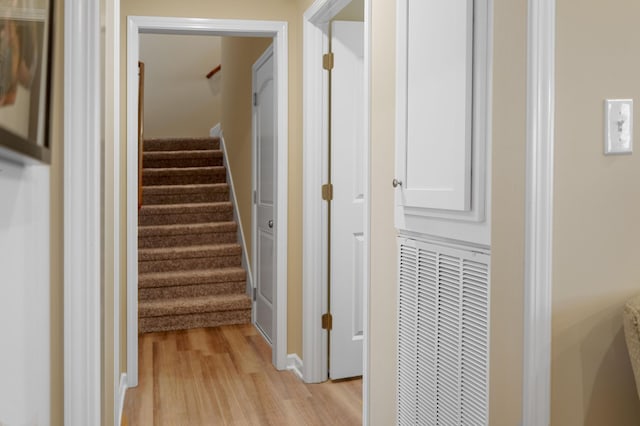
pixel 193 305
pixel 168 214
pixel 188 158
pixel 189 252
pixel 194 234
pixel 184 278
pixel 179 144
pixel 184 322
pixel 188 228
pixel 184 175
pixel 181 194
pixel 192 189
pixel 178 208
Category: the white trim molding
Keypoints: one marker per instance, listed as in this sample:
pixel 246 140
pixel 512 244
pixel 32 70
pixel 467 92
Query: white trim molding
pixel 112 132
pixel 539 213
pixel 294 364
pixel 122 393
pixel 216 27
pixel 82 209
pixel 366 288
pixel 315 173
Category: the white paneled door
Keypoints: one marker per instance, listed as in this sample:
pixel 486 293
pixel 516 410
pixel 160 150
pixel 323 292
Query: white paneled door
pixel 264 113
pixel 347 208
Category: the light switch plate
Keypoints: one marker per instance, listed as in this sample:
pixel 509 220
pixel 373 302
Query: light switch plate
pixel 618 132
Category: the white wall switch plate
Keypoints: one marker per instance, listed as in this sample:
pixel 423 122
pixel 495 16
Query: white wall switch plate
pixel 618 132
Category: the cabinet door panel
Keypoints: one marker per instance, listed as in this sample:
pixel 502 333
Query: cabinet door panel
pixel 436 104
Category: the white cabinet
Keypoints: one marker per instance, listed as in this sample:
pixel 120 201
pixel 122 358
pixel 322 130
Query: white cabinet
pixel 442 114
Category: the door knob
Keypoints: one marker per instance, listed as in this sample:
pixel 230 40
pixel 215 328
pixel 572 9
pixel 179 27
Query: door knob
pixel 396 183
pixel 270 223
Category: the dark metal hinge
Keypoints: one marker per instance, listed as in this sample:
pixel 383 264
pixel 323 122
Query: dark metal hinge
pixel 327 321
pixel 327 61
pixel 327 192
pixel 255 99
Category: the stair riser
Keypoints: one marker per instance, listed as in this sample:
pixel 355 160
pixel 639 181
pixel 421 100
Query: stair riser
pixel 182 162
pixel 199 197
pixel 176 219
pixel 187 240
pixel 213 289
pixel 184 322
pixel 180 145
pixel 178 264
pixel 176 178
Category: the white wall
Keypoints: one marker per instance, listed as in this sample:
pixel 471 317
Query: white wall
pixel 24 295
pixel 179 99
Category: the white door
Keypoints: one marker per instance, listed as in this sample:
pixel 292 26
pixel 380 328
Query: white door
pixel 264 228
pixel 347 207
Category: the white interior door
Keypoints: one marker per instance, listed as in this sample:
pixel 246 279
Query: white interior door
pixel 347 208
pixel 264 113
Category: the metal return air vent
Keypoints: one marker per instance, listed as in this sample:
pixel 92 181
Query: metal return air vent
pixel 443 336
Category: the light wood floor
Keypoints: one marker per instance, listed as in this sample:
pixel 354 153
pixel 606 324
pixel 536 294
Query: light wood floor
pixel 224 376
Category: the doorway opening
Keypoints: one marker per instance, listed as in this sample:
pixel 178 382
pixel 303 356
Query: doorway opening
pixel 277 31
pixel 317 215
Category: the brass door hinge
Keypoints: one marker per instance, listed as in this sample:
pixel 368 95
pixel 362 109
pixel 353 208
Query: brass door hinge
pixel 327 61
pixel 327 192
pixel 327 321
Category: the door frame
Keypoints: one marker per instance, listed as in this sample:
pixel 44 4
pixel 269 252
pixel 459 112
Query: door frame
pixel 315 173
pixel 215 27
pixel 536 380
pixel 254 179
pixel 82 201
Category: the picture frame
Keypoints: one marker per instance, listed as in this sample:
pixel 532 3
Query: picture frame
pixel 26 40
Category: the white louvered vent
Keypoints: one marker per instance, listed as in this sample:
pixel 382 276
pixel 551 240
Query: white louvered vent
pixel 443 336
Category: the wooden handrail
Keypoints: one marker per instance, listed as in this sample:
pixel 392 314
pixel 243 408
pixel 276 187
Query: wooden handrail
pixel 140 128
pixel 214 71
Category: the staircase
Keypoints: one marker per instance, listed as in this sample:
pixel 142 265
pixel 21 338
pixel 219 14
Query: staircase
pixel 189 261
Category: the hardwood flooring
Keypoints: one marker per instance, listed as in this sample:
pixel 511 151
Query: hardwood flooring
pixel 224 376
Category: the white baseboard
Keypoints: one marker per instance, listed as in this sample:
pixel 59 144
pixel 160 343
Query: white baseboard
pixel 294 363
pixel 122 391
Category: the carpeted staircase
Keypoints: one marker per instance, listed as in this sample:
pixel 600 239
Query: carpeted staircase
pixel 189 261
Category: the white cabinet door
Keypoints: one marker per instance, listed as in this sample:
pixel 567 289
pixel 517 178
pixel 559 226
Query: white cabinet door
pixel 442 110
pixel 347 207
pixel 435 127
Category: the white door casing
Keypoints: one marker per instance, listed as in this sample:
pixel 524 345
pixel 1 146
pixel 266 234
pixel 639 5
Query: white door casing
pixel 348 204
pixel 264 226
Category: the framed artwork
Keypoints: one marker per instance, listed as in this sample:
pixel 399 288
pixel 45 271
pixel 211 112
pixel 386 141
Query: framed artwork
pixel 25 79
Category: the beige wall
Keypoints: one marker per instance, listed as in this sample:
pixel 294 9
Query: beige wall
pixel 507 233
pixel 278 10
pixel 383 317
pixel 238 56
pixel 354 11
pixel 57 223
pixel 179 100
pixel 596 226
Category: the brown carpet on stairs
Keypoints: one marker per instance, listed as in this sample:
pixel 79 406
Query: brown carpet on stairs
pixel 190 272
